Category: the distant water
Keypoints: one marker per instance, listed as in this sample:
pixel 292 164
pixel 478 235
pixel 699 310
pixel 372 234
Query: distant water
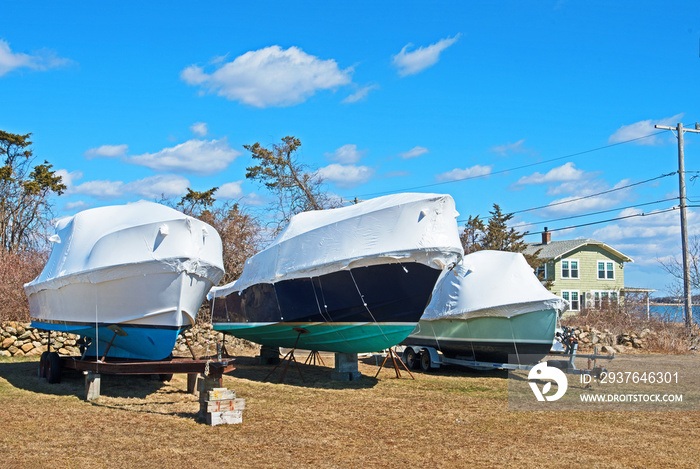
pixel 673 313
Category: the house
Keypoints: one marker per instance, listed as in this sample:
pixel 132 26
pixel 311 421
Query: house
pixel 585 272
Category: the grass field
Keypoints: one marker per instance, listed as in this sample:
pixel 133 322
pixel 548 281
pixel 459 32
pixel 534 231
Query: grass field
pixel 449 418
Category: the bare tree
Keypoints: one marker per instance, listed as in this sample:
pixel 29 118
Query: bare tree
pixel 296 187
pixel 674 266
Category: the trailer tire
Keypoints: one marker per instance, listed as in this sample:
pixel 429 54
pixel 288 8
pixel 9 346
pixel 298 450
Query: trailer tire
pixel 43 362
pixel 424 360
pixel 53 368
pixel 165 377
pixel 409 358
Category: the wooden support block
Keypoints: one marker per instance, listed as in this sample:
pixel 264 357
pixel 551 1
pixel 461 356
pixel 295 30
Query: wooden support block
pixel 225 405
pixel 227 417
pixel 192 383
pixel 218 394
pixel 92 385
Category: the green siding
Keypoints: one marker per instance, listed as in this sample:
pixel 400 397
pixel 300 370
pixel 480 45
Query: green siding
pixel 588 257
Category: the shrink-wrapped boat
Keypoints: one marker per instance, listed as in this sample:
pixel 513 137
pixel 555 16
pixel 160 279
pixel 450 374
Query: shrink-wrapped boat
pixel 489 307
pixel 349 280
pixel 127 277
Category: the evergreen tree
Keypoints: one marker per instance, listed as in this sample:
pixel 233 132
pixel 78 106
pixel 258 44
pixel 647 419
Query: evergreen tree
pixel 496 235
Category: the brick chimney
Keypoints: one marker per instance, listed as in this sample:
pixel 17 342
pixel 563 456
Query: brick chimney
pixel 546 236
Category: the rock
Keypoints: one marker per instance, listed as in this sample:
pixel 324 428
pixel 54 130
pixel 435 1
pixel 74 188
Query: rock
pixel 7 342
pixel 27 347
pixel 5 353
pixel 63 351
pixel 35 351
pixel 607 349
pixel 18 353
pixel 11 330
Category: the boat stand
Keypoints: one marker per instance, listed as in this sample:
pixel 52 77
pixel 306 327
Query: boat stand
pixel 289 358
pixel 313 356
pixel 394 358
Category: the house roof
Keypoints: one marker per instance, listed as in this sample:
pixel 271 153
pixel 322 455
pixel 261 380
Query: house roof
pixel 557 249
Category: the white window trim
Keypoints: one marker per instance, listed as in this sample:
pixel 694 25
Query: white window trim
pixel 578 293
pixel 578 263
pixel 600 296
pixel 605 263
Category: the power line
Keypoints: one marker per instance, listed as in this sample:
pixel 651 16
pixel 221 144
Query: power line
pixel 572 155
pixel 576 199
pixel 606 221
pixel 594 213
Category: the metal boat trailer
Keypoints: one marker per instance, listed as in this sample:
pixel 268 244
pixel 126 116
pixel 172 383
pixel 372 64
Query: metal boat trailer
pixel 427 358
pixel 52 364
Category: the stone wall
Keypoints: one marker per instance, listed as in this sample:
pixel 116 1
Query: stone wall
pixel 18 339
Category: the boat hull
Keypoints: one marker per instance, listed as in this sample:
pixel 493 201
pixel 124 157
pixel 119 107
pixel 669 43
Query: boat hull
pixel 151 309
pixel 357 310
pixel 489 339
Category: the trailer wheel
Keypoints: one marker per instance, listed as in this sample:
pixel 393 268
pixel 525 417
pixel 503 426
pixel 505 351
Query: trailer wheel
pixel 165 377
pixel 409 358
pixel 43 362
pixel 53 368
pixel 425 360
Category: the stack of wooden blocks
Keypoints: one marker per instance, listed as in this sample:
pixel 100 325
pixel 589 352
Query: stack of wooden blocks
pixel 220 406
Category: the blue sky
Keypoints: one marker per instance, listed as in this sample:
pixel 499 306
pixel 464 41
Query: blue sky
pixel 524 104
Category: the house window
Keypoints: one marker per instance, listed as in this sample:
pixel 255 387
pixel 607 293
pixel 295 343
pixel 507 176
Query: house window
pixel 605 270
pixel 602 298
pixel 569 269
pixel 572 296
pixel 541 271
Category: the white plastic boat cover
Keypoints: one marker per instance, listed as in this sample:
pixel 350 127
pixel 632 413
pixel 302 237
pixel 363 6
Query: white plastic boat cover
pixel 112 242
pixel 492 284
pixel 406 227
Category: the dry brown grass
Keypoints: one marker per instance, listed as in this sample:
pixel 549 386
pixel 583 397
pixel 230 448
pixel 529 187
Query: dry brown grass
pixel 452 418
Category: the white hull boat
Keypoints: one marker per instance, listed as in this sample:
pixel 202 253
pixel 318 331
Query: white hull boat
pixel 143 267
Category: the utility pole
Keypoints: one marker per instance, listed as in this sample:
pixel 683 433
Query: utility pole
pixel 687 292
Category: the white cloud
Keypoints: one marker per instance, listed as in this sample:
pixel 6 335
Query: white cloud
pixel 230 190
pixel 100 189
pixel 269 77
pixel 414 152
pixel 566 172
pixel 75 206
pixel 360 95
pixel 458 173
pixel 347 154
pixel 199 128
pixel 510 148
pixel 202 157
pixel 69 178
pixel 410 63
pixel 43 59
pixel 155 187
pixel 107 151
pixel 642 129
pixel 346 176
